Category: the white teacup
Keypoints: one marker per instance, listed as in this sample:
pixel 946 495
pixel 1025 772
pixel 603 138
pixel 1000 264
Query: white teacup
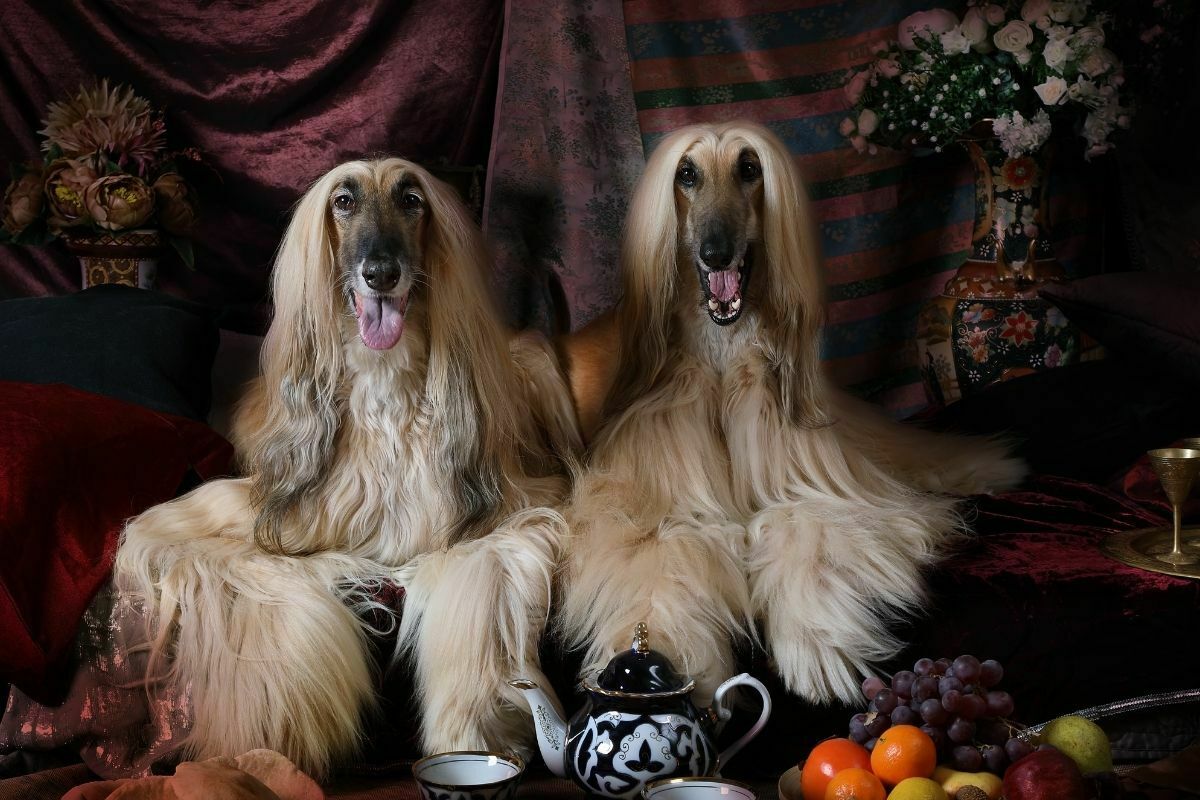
pixel 697 789
pixel 469 775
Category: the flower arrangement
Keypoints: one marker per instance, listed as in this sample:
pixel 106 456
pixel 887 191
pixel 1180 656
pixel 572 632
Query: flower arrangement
pixel 105 168
pixel 1016 70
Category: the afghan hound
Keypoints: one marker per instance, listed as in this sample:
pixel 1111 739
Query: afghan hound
pixel 731 491
pixel 395 434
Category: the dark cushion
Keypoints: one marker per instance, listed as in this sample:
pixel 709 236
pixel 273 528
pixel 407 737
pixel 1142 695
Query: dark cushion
pixel 1149 317
pixel 103 394
pixel 1087 421
pixel 141 346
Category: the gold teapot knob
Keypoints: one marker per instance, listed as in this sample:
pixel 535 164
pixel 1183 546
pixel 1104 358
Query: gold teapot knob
pixel 641 639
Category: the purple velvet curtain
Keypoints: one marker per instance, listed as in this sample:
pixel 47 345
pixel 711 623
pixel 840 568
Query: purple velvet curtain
pixel 273 93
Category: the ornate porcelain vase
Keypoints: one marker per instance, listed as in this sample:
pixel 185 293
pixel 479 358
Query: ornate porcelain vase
pixel 125 257
pixel 989 324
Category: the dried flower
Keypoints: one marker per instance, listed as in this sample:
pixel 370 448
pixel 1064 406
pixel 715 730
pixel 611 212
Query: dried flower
pixel 67 179
pixel 23 200
pixel 119 202
pixel 175 203
pixel 103 124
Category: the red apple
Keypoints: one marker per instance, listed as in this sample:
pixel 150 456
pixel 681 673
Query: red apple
pixel 1045 775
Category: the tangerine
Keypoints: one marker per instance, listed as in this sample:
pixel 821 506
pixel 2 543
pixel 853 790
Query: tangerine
pixel 903 751
pixel 827 759
pixel 855 783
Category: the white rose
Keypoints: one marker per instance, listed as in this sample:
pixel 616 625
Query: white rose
pixel 1013 37
pixel 1097 62
pixel 1052 92
pixel 868 121
pixel 974 26
pixel 1057 53
pixel 954 42
pixel 1033 10
pixel 1084 91
pixel 1058 33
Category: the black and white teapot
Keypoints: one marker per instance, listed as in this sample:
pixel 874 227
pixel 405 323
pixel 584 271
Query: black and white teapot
pixel 637 725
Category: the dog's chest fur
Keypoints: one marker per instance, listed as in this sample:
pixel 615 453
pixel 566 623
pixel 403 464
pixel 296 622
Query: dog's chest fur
pixel 390 502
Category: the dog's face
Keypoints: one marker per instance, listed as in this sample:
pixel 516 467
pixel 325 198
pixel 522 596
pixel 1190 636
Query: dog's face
pixel 718 201
pixel 380 219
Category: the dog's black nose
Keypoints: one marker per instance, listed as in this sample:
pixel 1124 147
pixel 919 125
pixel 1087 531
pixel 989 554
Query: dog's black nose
pixel 382 276
pixel 716 251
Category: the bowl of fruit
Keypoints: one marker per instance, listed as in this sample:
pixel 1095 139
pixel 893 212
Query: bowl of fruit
pixel 944 730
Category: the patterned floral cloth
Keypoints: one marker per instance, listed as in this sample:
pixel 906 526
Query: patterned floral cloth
pixel 565 154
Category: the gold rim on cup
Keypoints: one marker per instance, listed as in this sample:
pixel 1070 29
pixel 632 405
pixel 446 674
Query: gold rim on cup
pixel 513 759
pixel 697 779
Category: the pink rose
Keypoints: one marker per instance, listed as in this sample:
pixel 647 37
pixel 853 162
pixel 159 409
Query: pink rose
pixel 859 143
pixel 975 26
pixel 857 85
pixel 1014 37
pixel 1033 10
pixel 994 14
pixel 925 24
pixel 176 204
pixel 888 67
pixel 846 127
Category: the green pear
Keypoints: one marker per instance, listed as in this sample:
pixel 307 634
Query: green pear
pixel 1081 739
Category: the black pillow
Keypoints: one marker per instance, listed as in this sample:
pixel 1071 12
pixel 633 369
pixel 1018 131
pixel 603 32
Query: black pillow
pixel 136 345
pixel 1086 421
pixel 1149 317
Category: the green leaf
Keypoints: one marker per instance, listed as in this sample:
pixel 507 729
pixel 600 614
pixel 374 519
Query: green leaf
pixel 54 153
pixel 111 167
pixel 183 247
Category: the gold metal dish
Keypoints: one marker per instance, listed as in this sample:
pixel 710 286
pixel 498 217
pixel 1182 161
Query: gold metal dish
pixel 1145 547
pixel 789 785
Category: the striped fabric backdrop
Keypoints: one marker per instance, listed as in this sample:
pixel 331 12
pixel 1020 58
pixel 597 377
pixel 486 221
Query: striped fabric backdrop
pixel 893 229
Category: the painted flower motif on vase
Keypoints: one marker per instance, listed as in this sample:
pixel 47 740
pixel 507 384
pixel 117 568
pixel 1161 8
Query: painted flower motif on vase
pixel 1019 328
pixel 1015 174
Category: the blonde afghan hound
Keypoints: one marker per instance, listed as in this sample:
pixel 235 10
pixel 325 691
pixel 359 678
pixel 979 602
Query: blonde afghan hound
pixel 730 488
pixel 395 434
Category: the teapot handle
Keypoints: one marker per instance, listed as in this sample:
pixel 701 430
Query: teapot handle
pixel 723 713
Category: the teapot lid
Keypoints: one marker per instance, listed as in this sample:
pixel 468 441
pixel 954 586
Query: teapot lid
pixel 640 671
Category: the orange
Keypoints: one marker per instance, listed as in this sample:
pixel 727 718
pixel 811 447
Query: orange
pixel 827 759
pixel 903 751
pixel 855 783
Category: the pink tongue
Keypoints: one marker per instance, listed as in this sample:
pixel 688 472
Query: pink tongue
pixel 380 323
pixel 723 284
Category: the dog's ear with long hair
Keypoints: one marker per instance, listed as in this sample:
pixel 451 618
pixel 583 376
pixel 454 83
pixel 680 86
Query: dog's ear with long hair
pixel 302 368
pixel 470 384
pixel 649 247
pixel 794 308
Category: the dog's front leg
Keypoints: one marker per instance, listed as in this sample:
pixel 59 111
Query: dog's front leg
pixel 829 576
pixel 473 615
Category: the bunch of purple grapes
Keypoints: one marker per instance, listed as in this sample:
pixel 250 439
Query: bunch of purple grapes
pixel 956 703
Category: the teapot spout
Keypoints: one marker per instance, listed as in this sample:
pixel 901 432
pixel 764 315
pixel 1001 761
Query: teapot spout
pixel 550 727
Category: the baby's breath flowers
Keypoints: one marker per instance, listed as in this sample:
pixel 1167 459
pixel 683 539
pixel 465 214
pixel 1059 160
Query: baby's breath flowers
pixel 1025 67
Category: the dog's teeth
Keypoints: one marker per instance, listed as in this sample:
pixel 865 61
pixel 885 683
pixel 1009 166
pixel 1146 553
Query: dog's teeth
pixel 736 304
pixel 712 305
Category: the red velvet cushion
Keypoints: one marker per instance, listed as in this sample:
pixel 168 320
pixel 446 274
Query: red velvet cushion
pixel 73 467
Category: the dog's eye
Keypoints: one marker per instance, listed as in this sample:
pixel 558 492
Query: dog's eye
pixel 343 202
pixel 410 201
pixel 749 171
pixel 686 175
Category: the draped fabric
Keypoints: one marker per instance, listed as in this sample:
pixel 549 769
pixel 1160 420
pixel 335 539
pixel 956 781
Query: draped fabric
pixel 565 154
pixel 893 229
pixel 273 94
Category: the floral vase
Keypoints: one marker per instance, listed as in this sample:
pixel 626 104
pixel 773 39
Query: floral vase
pixel 126 257
pixel 989 324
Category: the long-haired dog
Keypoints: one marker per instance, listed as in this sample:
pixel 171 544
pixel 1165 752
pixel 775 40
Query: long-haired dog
pixel 730 489
pixel 395 434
